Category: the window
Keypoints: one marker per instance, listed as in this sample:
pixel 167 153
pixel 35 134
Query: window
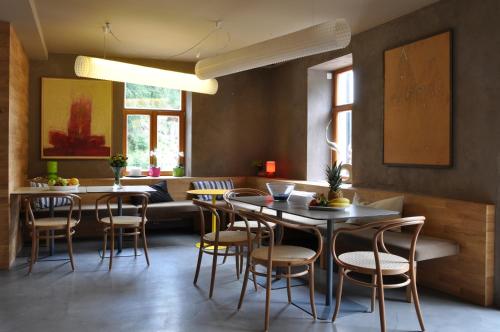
pixel 153 120
pixel 343 98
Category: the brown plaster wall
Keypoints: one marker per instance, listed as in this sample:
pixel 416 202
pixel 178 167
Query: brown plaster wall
pixel 232 128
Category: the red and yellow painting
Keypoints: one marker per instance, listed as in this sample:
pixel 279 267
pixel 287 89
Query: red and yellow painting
pixel 76 118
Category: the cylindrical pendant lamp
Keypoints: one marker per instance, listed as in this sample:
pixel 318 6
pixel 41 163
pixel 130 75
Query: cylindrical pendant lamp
pixel 320 38
pixel 125 72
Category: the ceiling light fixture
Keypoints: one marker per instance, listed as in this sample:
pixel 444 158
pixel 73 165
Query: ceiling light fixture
pixel 118 71
pixel 320 38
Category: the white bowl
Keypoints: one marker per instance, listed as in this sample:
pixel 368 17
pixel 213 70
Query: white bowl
pixel 63 188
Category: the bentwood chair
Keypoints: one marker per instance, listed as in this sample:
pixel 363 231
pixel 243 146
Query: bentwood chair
pixel 379 263
pixel 134 225
pixel 210 243
pixel 282 258
pixel 62 225
pixel 259 232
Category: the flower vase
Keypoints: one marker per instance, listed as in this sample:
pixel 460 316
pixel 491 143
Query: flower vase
pixel 154 171
pixel 117 171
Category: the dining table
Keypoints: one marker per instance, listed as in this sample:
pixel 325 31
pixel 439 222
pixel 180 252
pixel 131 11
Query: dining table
pixel 299 206
pixel 83 190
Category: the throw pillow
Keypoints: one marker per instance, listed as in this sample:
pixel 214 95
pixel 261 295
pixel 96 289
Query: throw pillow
pixel 161 194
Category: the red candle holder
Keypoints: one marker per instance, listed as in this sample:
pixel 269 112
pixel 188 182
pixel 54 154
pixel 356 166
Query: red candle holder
pixel 270 168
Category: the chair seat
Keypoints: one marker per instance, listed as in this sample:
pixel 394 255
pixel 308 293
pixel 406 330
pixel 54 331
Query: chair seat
pixel 364 261
pixel 281 254
pixel 252 224
pixel 56 222
pixel 123 220
pixel 228 236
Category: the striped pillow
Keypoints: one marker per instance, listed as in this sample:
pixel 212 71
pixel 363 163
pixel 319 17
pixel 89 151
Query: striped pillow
pixel 44 202
pixel 221 184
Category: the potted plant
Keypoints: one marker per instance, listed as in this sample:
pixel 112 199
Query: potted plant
pixel 258 165
pixel 334 180
pixel 154 170
pixel 117 162
pixel 179 169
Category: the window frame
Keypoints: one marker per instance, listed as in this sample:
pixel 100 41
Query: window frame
pixel 153 140
pixel 336 109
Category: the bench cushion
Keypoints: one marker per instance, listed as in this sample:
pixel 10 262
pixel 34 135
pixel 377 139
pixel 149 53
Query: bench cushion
pixel 89 209
pixel 428 247
pixel 169 210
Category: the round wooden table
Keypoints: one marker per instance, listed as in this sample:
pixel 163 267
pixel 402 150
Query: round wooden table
pixel 213 193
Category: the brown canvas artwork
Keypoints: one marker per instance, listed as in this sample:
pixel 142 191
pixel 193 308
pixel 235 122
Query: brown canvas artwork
pixel 417 103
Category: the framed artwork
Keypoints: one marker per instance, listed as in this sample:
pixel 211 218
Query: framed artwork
pixel 76 119
pixel 417 103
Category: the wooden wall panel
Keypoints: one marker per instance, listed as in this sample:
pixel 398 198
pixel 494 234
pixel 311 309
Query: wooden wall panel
pixel 18 128
pixel 4 146
pixel 469 275
pixel 14 73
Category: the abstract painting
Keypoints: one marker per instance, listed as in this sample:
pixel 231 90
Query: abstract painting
pixel 76 118
pixel 417 103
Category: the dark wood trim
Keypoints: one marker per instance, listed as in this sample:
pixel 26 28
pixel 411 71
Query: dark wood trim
pixel 336 109
pixel 181 114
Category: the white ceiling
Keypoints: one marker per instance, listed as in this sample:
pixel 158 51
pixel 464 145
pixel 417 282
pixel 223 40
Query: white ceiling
pixel 160 28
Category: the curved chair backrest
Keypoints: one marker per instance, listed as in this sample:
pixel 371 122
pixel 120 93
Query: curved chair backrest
pixel 414 223
pixel 109 198
pixel 214 210
pixel 72 199
pixel 238 192
pixel 264 219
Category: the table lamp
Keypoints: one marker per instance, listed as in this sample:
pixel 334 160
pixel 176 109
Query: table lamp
pixel 270 168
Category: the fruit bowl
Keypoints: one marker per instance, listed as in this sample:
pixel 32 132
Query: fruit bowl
pixel 280 191
pixel 63 188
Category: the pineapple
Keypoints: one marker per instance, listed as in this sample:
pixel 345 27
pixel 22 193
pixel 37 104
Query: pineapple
pixel 334 180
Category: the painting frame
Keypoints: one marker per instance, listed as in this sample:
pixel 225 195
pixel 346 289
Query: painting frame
pixel 445 149
pixel 96 97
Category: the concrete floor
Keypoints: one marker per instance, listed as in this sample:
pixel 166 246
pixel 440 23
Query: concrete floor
pixel 133 297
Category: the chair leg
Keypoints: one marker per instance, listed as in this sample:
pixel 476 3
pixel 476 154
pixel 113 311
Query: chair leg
pixel 339 293
pixel 381 302
pixel 374 293
pixel 311 290
pixel 288 287
pixel 34 240
pixel 245 282
pixel 70 249
pixel 413 283
pixel 198 264
pixel 241 259
pixel 112 247
pixel 237 259
pixel 268 295
pixel 225 255
pixel 214 266
pixel 136 230
pixel 37 249
pixel 104 243
pixel 145 243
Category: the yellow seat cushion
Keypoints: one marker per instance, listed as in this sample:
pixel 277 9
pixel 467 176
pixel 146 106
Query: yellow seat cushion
pixel 294 254
pixel 123 220
pixel 228 236
pixel 365 260
pixel 58 222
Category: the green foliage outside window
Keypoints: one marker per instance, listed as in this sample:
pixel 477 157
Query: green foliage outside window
pixel 151 97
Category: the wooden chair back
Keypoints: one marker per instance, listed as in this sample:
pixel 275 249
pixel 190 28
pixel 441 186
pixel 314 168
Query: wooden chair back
pixel 30 200
pixel 108 199
pixel 413 224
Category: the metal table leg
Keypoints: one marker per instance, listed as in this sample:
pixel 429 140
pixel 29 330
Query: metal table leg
pixel 52 240
pixel 329 263
pixel 120 230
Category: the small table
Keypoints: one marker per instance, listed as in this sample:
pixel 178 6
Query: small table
pixel 298 205
pixel 213 193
